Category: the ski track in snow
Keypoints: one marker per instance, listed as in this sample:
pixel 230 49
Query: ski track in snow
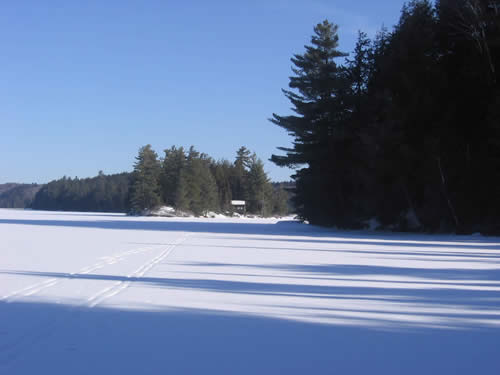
pixel 38 287
pixel 120 286
pixel 12 351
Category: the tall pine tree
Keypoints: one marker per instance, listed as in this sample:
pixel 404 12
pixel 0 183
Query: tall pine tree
pixel 259 188
pixel 145 188
pixel 321 131
pixel 173 163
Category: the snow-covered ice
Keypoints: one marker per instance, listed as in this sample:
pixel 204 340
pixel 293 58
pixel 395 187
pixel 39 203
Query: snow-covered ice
pixel 84 293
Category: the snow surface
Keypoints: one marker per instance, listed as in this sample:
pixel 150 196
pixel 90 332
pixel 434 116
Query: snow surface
pixel 88 293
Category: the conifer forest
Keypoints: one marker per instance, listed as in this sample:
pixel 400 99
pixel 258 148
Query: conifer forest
pixel 406 128
pixel 187 180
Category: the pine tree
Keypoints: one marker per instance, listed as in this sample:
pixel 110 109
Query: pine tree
pixel 406 91
pixel 259 188
pixel 243 158
pixel 407 131
pixel 359 70
pixel 145 188
pixel 320 129
pixel 240 172
pixel 181 200
pixel 173 163
pixel 200 186
pixel 209 192
pixel 222 171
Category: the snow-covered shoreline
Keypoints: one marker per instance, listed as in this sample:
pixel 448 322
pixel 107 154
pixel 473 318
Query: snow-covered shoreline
pixel 166 211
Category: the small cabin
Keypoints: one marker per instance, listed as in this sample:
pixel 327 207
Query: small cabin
pixel 238 206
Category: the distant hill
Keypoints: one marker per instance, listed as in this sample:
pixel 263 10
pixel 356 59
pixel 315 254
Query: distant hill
pixel 6 187
pixel 14 195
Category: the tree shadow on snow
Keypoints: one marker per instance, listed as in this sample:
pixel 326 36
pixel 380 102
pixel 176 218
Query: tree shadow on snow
pixel 442 292
pixel 281 228
pixel 63 339
pixel 122 223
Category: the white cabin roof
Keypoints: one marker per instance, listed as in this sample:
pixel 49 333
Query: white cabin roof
pixel 238 203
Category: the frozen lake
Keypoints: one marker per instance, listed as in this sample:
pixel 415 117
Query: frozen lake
pixel 84 293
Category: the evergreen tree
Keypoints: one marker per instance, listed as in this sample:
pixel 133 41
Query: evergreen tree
pixel 359 70
pixel 193 181
pixel 403 93
pixel 200 185
pixel 209 191
pixel 321 131
pixel 240 172
pixel 259 188
pixel 172 165
pixel 408 130
pixel 243 158
pixel 222 172
pixel 181 200
pixel 145 188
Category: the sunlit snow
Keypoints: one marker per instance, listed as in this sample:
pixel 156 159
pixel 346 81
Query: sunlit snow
pixel 84 293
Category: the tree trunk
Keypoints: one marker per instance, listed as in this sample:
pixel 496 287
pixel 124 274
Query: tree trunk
pixel 445 192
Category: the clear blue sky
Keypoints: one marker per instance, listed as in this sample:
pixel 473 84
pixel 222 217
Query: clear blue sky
pixel 84 84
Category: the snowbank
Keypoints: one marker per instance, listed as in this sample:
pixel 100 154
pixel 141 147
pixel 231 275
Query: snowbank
pixel 166 211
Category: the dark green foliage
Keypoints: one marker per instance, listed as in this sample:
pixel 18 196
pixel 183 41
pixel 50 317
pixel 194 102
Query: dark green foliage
pixel 239 175
pixel 200 183
pixel 98 194
pixel 18 195
pixel 243 158
pixel 325 142
pixel 192 182
pixel 222 172
pixel 181 201
pixel 407 130
pixel 259 188
pixel 145 190
pixel 170 175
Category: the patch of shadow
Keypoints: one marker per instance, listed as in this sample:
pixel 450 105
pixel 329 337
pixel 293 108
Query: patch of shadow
pixel 194 341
